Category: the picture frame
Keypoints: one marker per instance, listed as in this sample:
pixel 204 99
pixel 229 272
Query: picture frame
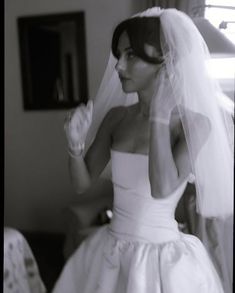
pixel 53 60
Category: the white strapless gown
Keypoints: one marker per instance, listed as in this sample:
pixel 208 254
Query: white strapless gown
pixel 141 250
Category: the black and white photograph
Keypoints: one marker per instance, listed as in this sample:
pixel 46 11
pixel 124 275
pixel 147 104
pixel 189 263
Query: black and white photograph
pixel 119 146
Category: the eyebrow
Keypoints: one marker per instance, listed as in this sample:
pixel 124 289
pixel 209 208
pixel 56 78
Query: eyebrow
pixel 126 49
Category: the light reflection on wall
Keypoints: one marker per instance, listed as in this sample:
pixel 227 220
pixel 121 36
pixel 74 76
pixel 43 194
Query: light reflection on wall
pixel 223 69
pixel 218 15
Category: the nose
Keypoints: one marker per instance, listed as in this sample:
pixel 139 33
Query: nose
pixel 121 65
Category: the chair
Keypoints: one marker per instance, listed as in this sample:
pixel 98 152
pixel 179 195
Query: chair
pixel 87 214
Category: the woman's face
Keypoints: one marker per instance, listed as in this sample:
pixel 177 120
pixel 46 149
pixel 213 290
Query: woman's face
pixel 135 74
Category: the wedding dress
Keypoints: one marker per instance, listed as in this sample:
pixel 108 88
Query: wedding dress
pixel 142 249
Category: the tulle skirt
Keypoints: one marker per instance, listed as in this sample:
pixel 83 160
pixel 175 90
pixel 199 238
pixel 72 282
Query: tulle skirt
pixel 106 263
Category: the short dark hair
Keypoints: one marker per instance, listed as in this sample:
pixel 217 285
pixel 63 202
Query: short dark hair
pixel 141 31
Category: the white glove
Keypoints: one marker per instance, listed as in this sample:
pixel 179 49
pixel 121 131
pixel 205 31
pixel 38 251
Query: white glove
pixel 76 126
pixel 163 101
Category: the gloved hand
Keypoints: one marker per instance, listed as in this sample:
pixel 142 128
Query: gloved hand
pixel 76 126
pixel 163 102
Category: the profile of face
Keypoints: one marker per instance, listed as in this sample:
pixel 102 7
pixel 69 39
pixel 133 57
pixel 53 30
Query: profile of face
pixel 136 75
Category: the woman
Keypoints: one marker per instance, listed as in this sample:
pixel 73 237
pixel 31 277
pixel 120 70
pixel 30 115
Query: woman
pixel 156 146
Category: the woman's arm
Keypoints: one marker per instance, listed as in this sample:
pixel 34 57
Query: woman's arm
pixel 84 171
pixel 79 174
pixel 168 167
pixel 163 173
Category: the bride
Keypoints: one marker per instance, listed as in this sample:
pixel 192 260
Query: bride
pixel 158 119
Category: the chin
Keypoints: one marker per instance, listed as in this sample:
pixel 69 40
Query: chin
pixel 128 89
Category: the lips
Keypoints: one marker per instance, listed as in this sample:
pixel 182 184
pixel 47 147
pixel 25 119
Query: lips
pixel 123 78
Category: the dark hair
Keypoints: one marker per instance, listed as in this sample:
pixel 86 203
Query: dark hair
pixel 141 31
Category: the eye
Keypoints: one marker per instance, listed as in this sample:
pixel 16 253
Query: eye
pixel 130 54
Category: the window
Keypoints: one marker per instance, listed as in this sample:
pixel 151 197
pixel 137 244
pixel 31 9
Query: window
pixel 223 19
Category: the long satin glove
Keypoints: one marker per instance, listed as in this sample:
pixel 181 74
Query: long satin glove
pixel 76 127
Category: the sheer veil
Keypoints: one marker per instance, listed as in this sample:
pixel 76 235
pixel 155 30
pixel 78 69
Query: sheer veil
pixel 195 92
pixel 196 95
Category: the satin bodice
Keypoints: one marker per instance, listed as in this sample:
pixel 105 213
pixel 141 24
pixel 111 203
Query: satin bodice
pixel 136 213
pixel 141 250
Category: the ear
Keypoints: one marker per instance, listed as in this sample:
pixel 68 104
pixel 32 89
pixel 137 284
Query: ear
pixel 151 51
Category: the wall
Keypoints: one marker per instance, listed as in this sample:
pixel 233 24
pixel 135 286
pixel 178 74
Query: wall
pixel 37 185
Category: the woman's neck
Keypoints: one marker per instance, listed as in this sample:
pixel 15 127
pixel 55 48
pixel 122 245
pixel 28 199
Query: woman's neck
pixel 145 97
pixel 143 108
pixel 144 104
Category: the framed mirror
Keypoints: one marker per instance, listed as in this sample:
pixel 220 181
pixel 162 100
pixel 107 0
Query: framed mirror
pixel 53 60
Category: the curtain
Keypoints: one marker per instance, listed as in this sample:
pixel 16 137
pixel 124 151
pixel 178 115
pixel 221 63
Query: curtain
pixel 191 7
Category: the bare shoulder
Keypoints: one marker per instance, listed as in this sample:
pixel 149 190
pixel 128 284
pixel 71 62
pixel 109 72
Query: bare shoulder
pixel 200 121
pixel 197 122
pixel 116 113
pixel 113 117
